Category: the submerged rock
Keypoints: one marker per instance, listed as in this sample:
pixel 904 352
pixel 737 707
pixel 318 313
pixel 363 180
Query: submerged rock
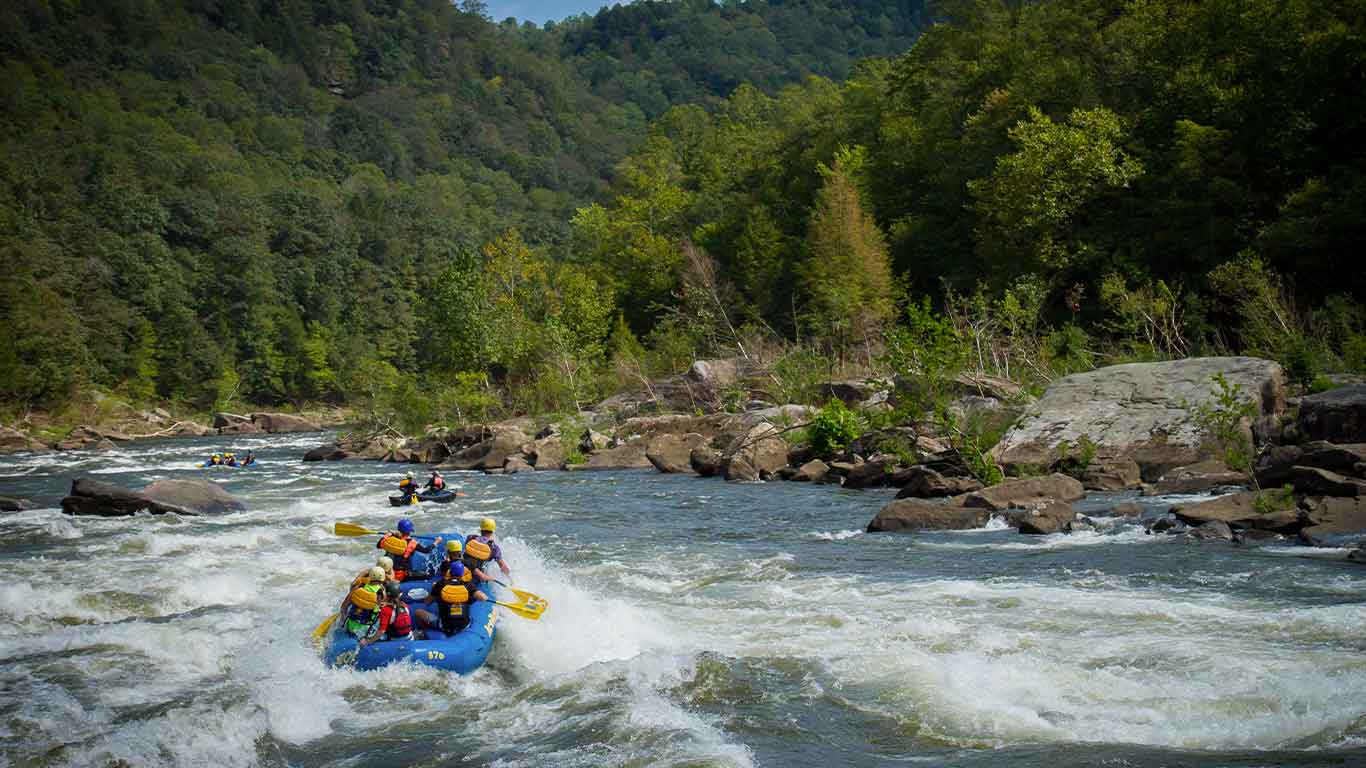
pixel 919 514
pixel 924 483
pixel 184 497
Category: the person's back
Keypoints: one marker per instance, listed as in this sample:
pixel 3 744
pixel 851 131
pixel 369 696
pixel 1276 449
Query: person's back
pixel 401 546
pixel 395 618
pixel 362 604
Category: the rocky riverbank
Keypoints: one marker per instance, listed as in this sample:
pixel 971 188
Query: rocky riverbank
pixel 1128 427
pixel 156 424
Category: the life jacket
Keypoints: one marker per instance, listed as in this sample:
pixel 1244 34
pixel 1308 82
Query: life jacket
pixel 451 600
pixel 400 622
pixel 364 608
pixel 438 483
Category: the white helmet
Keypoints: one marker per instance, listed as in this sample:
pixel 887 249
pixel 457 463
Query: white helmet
pixel 385 562
pixel 377 574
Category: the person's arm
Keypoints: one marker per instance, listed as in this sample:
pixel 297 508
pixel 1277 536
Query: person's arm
pixel 506 570
pixel 385 614
pixel 479 595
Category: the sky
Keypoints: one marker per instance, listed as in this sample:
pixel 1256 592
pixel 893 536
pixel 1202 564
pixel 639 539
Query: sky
pixel 541 11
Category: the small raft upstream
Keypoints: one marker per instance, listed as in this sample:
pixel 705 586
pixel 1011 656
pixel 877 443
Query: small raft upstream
pixel 439 497
pixel 461 653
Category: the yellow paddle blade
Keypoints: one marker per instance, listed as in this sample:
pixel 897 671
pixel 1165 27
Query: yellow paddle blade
pixel 323 627
pixel 351 529
pixel 528 606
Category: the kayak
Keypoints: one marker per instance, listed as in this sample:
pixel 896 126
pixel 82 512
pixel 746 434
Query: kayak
pixel 444 496
pixel 462 653
pixel 203 465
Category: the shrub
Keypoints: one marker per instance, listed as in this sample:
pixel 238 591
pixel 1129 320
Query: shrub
pixel 834 427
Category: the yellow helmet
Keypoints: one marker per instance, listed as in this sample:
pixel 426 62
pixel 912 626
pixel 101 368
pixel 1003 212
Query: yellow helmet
pixel 487 525
pixel 454 545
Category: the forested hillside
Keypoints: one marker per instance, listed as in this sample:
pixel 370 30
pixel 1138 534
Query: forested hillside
pixel 205 201
pixel 405 206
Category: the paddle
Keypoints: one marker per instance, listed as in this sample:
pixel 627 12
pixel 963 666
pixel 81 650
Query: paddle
pixel 528 605
pixel 351 529
pixel 323 627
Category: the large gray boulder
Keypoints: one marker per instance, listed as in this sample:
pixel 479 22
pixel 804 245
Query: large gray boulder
pixel 195 496
pixel 1050 517
pixel 628 455
pixel 1142 411
pixel 756 455
pixel 546 453
pixel 491 453
pixel 1198 478
pixel 706 461
pixel 183 497
pixel 922 515
pixel 1338 415
pixel 280 423
pixel 672 454
pixel 1025 492
pixel 1243 510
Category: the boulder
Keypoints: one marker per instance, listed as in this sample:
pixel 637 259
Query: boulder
pixel 491 453
pixel 280 423
pixel 876 472
pixel 592 440
pixel 967 384
pixel 1332 521
pixel 1275 465
pixel 1338 415
pixel 1025 492
pixel 1127 509
pixel 187 429
pixel 1198 478
pixel 241 428
pixel 925 483
pixel 985 414
pixel 185 497
pixel 854 391
pixel 713 375
pixel 672 454
pixel 922 515
pixel 516 464
pixel 1215 529
pixel 196 496
pixel 1242 510
pixel 14 441
pixel 756 455
pixel 1313 481
pixel 1118 474
pixel 1141 411
pixel 546 453
pixel 11 504
pixel 812 471
pixel 1051 517
pixel 628 455
pixel 705 461
pixel 224 419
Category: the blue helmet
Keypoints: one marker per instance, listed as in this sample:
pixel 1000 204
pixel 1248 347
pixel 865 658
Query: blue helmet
pixel 456 569
pixel 405 526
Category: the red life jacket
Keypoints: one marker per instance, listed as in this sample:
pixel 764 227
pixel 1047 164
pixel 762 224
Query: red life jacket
pixel 438 483
pixel 400 622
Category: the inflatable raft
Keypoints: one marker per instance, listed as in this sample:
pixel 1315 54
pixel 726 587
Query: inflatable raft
pixel 440 497
pixel 461 653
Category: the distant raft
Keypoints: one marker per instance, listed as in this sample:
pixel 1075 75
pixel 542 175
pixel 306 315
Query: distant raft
pixel 461 653
pixel 444 496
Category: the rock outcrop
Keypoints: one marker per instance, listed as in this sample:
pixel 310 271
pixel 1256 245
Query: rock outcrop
pixel 1338 415
pixel 12 504
pixel 756 455
pixel 491 453
pixel 183 497
pixel 281 423
pixel 1050 517
pixel 672 454
pixel 14 441
pixel 925 483
pixel 1140 411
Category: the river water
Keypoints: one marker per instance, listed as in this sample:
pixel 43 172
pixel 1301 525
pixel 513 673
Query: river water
pixel 691 623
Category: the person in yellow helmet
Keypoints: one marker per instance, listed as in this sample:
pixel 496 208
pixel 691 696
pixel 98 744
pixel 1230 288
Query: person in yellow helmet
pixel 486 530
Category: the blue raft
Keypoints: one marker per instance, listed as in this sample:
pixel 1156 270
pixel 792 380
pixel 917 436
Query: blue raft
pixel 440 497
pixel 461 653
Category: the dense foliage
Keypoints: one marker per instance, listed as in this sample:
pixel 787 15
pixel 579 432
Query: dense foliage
pixel 1071 182
pixel 267 201
pixel 388 202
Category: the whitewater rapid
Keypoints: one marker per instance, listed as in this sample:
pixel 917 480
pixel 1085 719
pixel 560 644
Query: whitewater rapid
pixel 692 622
